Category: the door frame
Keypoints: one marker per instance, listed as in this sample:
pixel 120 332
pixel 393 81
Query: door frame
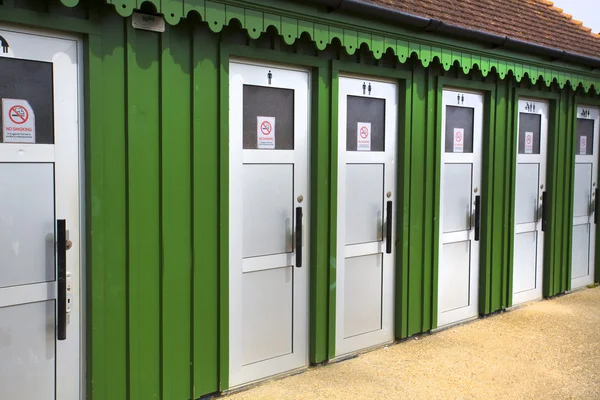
pixel 403 79
pixel 552 98
pixel 488 221
pixel 306 229
pixel 595 171
pixel 66 34
pixel 583 101
pixel 395 196
pixel 440 189
pixel 318 253
pixel 544 148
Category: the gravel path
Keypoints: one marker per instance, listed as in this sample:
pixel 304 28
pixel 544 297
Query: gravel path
pixel 548 349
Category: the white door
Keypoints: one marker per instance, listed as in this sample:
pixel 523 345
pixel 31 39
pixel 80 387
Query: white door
pixel 39 210
pixel 585 203
pixel 460 206
pixel 268 221
pixel 530 216
pixel 367 131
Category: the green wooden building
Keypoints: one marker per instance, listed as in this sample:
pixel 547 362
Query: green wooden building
pixel 215 192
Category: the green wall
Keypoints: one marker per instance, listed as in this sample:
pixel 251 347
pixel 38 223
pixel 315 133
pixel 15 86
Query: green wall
pixel 156 193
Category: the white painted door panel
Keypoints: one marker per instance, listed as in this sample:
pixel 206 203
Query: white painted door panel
pixel 367 134
pixel 583 251
pixel 268 181
pixel 532 145
pixel 39 184
pixel 458 260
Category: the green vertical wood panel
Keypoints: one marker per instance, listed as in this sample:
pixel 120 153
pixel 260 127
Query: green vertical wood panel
pixel 176 211
pixel 404 179
pixel 417 191
pixel 333 151
pixel 106 216
pixel 430 213
pixel 507 205
pixel 223 279
pixel 487 205
pixel 319 208
pixel 570 174
pixel 205 145
pixel 567 194
pixel 495 216
pixel 511 183
pixel 143 126
pixel 553 180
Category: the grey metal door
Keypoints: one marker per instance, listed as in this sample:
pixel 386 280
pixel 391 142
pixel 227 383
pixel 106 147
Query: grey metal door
pixel 365 222
pixel 585 201
pixel 460 206
pixel 530 215
pixel 268 221
pixel 39 207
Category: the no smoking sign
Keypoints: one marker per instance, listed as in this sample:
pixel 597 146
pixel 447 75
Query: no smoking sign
pixel 18 114
pixel 265 133
pixel 266 128
pixel 363 137
pixel 528 142
pixel 459 136
pixel 18 121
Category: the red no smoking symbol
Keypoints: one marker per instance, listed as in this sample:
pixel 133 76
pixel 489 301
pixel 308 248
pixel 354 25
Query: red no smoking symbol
pixel 528 139
pixel 364 132
pixel 458 137
pixel 266 128
pixel 18 114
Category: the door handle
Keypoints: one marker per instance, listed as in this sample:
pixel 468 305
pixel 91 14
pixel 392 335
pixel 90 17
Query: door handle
pixel 477 217
pixel 61 261
pixel 388 227
pixel 298 237
pixel 596 204
pixel 544 211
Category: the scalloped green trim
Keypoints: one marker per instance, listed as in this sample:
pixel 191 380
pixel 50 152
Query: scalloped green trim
pixel 256 22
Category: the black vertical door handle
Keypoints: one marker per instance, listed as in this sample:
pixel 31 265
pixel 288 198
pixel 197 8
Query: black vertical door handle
pixel 544 212
pixel 388 227
pixel 298 237
pixel 477 217
pixel 596 204
pixel 61 261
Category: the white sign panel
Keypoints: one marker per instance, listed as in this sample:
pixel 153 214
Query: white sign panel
pixel 583 145
pixel 265 132
pixel 18 121
pixel 363 136
pixel 148 22
pixel 459 139
pixel 528 142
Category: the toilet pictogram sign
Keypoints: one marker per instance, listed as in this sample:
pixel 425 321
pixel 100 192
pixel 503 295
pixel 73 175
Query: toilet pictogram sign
pixel 18 121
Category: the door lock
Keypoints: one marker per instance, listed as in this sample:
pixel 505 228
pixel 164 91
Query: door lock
pixel 389 194
pixel 68 244
pixel 475 190
pixel 300 199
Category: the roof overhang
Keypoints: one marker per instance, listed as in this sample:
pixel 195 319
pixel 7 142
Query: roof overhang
pixel 388 30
